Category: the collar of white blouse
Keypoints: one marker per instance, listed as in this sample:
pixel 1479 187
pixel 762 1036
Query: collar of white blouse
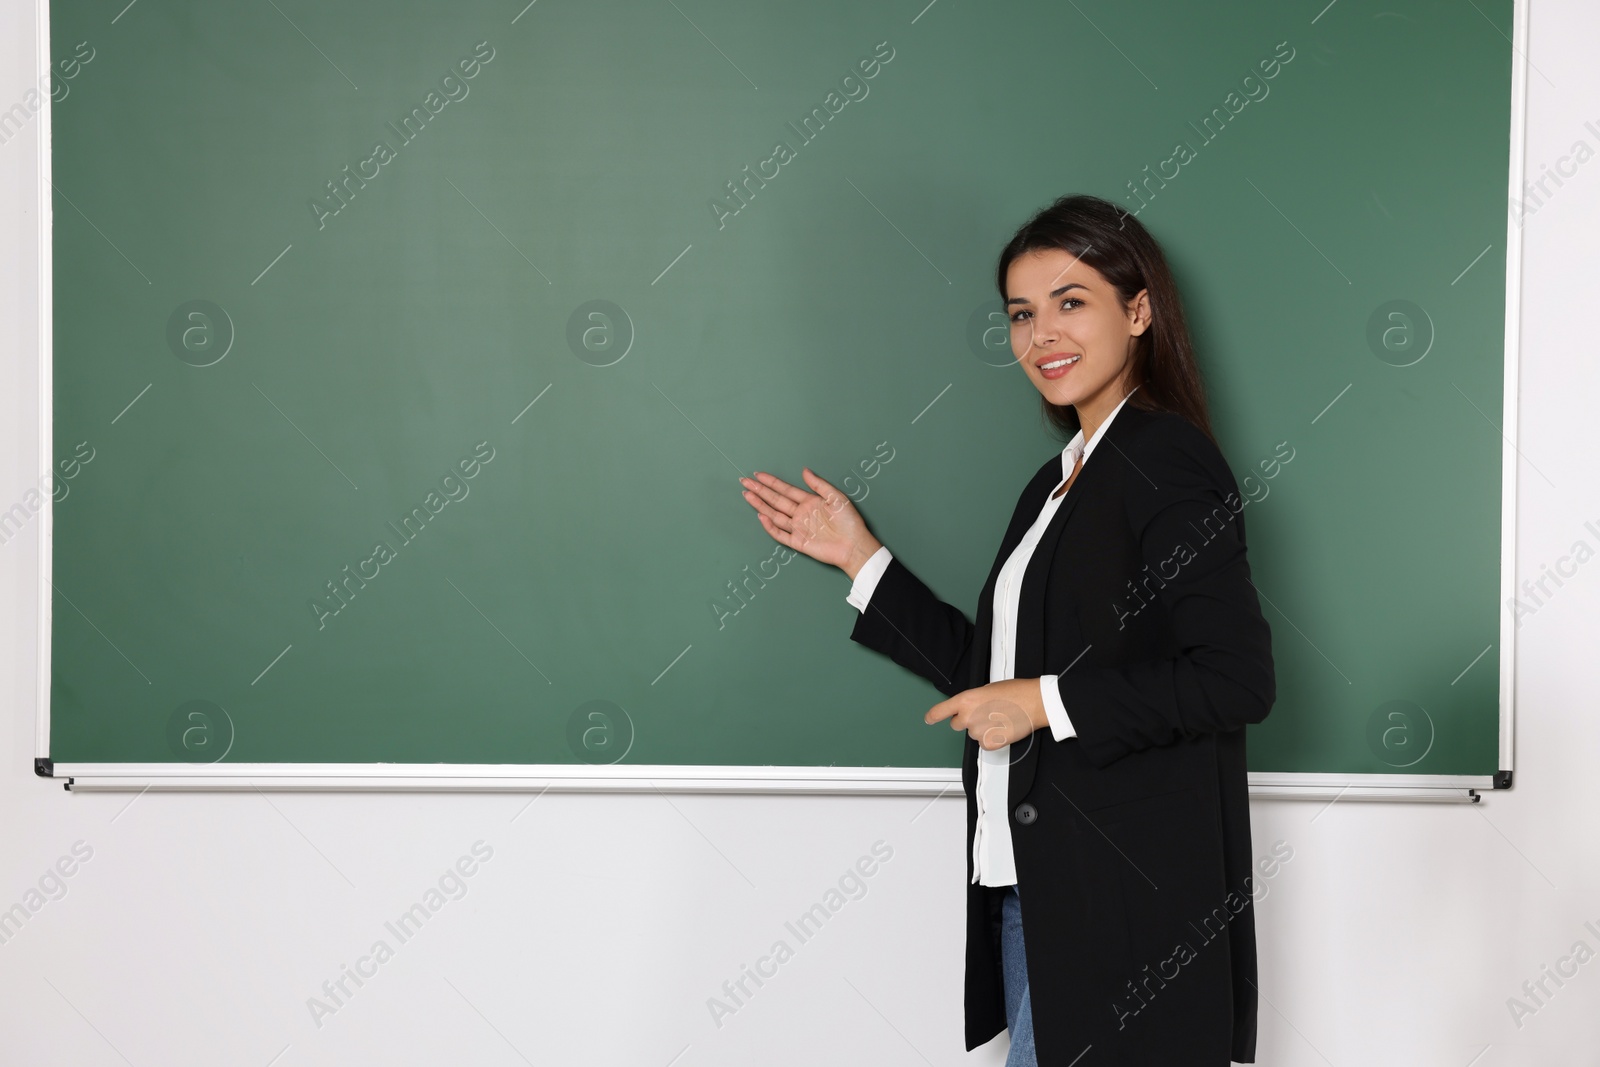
pixel 1076 447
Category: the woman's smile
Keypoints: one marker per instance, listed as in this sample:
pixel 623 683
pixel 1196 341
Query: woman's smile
pixel 1053 367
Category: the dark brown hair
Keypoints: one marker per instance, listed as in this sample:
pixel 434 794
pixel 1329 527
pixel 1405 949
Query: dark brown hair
pixel 1116 244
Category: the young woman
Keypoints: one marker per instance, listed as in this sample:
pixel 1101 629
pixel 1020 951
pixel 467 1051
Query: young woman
pixel 1118 653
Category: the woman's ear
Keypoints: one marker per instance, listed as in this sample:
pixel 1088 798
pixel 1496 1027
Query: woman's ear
pixel 1139 313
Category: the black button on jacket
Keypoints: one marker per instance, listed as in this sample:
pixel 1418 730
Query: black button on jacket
pixel 1132 839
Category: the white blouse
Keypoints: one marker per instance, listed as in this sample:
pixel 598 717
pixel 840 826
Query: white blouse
pixel 992 859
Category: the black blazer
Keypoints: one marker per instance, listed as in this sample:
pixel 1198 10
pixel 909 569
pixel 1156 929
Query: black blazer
pixel 1132 839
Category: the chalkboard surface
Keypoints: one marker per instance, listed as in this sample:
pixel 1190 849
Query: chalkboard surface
pixel 406 356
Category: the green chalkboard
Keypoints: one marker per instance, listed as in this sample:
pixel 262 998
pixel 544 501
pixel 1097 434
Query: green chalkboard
pixel 405 357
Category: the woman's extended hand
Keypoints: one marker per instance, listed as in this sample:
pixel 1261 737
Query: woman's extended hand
pixel 995 715
pixel 823 524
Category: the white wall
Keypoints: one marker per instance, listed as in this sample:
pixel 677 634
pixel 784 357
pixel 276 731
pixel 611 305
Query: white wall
pixel 201 924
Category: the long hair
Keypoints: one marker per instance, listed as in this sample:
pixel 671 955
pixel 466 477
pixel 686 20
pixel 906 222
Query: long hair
pixel 1117 245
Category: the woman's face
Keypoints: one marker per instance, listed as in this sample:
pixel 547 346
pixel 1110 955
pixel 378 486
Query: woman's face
pixel 1070 331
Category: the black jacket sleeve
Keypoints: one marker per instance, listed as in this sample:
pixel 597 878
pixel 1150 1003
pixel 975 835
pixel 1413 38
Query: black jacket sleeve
pixel 907 623
pixel 1183 509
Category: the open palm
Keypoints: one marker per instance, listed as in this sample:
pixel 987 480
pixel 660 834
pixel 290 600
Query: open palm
pixel 823 523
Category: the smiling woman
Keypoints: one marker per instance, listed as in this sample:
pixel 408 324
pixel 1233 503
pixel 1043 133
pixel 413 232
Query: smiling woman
pixel 1061 308
pixel 1105 758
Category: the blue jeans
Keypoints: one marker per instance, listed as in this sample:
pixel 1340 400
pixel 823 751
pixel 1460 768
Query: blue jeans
pixel 1014 967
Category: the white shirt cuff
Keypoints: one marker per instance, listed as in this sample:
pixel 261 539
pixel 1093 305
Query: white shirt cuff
pixel 1054 710
pixel 867 578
